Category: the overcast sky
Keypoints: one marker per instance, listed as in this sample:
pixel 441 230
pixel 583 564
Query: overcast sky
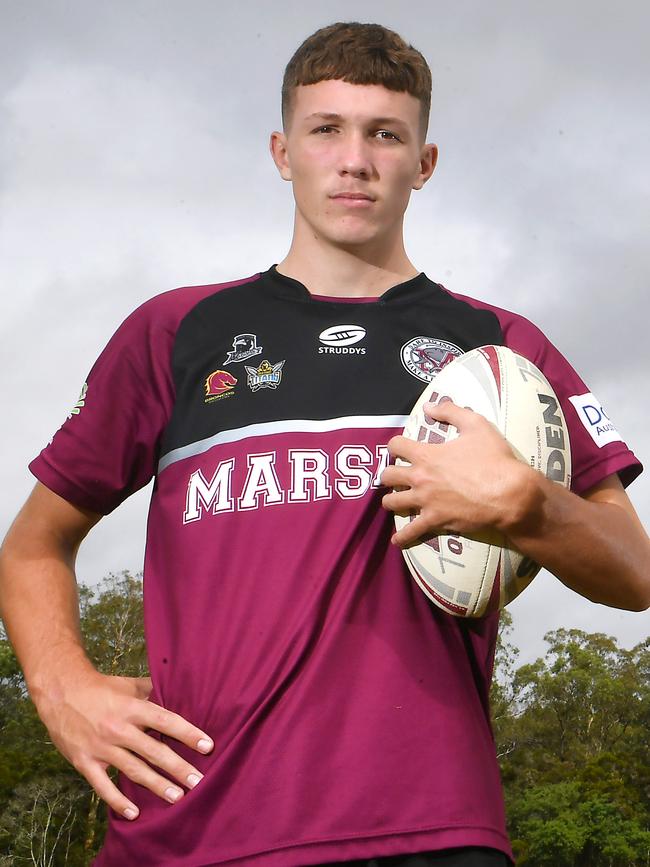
pixel 134 158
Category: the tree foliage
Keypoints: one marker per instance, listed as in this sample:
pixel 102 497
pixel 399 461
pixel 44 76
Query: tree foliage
pixel 49 815
pixel 571 732
pixel 573 743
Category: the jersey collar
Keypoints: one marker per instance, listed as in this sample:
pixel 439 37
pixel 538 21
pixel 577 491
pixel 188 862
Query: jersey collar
pixel 293 289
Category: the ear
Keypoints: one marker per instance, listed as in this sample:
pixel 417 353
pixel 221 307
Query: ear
pixel 428 160
pixel 279 152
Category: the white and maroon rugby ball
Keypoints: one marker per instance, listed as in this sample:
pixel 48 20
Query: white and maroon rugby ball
pixel 470 577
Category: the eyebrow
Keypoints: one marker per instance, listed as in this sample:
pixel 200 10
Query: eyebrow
pixel 330 115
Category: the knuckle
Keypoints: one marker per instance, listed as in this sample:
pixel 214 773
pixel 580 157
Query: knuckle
pixel 163 757
pixel 104 793
pixel 81 763
pixel 181 771
pixel 134 769
pixel 103 786
pixel 114 799
pixel 133 709
pixel 111 729
pixel 419 477
pixel 160 718
pixel 428 522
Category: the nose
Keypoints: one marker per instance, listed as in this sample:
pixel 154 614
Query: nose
pixel 354 157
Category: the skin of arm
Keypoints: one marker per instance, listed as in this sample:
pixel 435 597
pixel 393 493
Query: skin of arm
pixel 95 720
pixel 595 543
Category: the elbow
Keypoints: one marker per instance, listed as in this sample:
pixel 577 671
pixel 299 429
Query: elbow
pixel 628 595
pixel 642 582
pixel 643 599
pixel 639 595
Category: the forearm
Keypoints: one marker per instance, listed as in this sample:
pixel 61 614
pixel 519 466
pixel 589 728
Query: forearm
pixel 597 548
pixel 40 608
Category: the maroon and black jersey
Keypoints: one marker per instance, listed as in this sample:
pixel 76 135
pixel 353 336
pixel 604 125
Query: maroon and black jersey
pixel 350 717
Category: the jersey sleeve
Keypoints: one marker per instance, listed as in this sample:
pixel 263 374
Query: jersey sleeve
pixel 107 447
pixel 597 449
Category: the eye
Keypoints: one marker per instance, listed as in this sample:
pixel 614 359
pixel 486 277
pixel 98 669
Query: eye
pixel 387 132
pixel 323 129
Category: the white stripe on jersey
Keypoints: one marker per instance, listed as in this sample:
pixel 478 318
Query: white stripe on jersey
pixel 299 425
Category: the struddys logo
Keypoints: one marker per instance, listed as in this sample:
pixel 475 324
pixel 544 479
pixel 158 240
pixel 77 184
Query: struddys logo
pixel 244 346
pixel 595 419
pixel 424 357
pixel 218 385
pixel 340 340
pixel 265 376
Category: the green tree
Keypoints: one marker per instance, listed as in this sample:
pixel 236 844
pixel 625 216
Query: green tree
pixel 576 773
pixel 112 625
pixel 40 819
pixel 113 630
pixel 49 815
pixel 502 693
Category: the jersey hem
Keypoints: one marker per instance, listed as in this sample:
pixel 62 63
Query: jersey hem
pixel 379 845
pixel 58 484
pixel 625 464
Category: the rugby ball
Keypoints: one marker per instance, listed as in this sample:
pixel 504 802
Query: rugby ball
pixel 473 576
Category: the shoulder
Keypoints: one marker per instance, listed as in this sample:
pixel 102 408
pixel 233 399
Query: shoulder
pixel 528 340
pixel 164 312
pixel 145 339
pixel 597 449
pixel 520 334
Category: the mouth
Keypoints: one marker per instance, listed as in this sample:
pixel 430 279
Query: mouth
pixel 363 197
pixel 353 200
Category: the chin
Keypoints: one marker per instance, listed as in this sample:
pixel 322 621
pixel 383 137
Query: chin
pixel 351 236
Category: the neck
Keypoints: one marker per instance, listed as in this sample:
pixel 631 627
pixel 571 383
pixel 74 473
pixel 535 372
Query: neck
pixel 352 272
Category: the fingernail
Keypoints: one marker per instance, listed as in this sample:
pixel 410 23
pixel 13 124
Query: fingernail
pixel 205 745
pixel 131 813
pixel 173 794
pixel 193 779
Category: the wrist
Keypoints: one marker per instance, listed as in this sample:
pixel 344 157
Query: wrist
pixel 523 500
pixel 66 667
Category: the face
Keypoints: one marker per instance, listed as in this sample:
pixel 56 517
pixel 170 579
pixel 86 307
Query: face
pixel 353 154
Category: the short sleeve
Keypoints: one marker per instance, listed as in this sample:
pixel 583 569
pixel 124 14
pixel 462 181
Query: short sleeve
pixel 597 448
pixel 107 447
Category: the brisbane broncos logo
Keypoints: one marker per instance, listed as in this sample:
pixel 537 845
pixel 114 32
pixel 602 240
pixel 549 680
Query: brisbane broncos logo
pixel 220 383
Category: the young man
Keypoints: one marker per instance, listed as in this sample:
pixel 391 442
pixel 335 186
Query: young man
pixel 306 703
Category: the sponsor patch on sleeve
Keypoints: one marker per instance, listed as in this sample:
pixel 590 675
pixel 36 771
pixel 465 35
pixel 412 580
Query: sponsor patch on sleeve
pixel 595 419
pixel 76 409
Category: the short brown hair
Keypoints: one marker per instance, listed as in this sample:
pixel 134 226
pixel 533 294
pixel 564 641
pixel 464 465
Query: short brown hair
pixel 359 54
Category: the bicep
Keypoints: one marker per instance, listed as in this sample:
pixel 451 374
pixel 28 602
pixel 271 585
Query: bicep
pixel 611 491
